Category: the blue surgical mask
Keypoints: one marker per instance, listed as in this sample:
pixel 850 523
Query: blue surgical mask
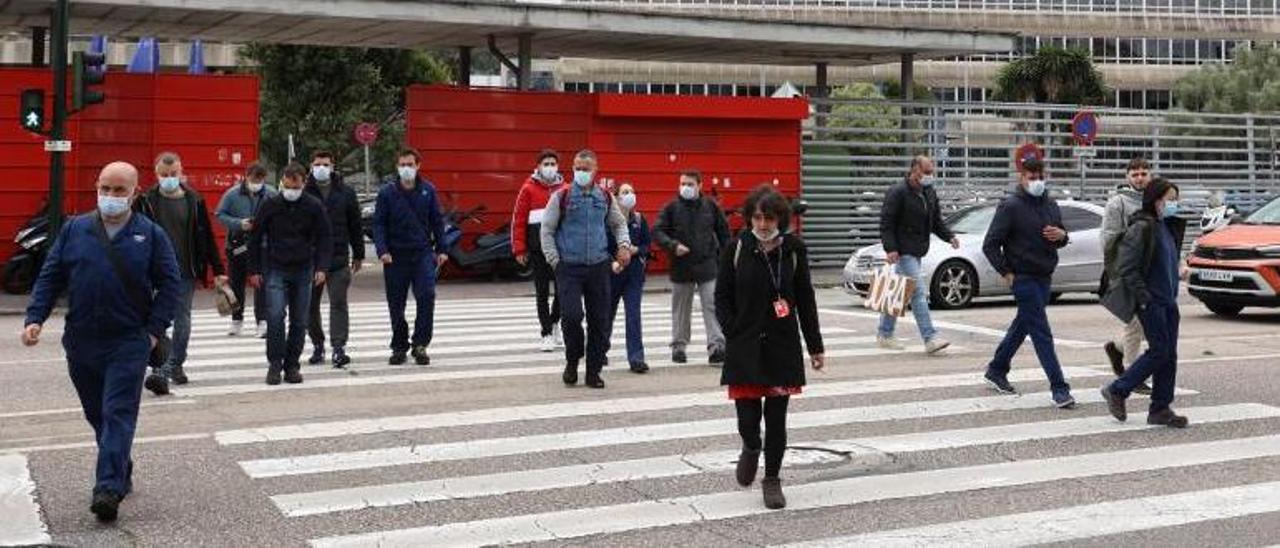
pixel 688 192
pixel 112 206
pixel 407 173
pixel 1170 208
pixel 928 180
pixel 1036 187
pixel 169 184
pixel 321 173
pixel 582 178
pixel 627 200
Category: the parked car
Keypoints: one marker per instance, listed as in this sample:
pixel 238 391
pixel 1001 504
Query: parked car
pixel 957 276
pixel 1238 265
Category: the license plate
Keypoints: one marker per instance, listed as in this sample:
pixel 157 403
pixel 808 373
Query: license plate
pixel 1217 276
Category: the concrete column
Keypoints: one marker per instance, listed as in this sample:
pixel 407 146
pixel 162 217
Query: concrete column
pixel 464 66
pixel 908 78
pixel 526 61
pixel 822 91
pixel 38 35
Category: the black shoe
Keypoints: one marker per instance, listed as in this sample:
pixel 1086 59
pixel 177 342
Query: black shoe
pixel 678 356
pixel 773 497
pixel 999 383
pixel 293 376
pixel 420 356
pixel 398 357
pixel 179 377
pixel 717 357
pixel 1115 404
pixel 639 367
pixel 340 358
pixel 748 464
pixel 157 384
pixel 317 356
pixel 570 376
pixel 1166 417
pixel 273 377
pixel 1115 356
pixel 594 380
pixel 106 505
pixel 1144 389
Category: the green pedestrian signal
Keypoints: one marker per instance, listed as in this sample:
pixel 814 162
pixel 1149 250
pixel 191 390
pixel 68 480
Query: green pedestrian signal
pixel 31 111
pixel 88 69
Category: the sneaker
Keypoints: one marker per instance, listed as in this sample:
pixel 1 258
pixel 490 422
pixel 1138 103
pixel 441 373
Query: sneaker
pixel 273 377
pixel 105 505
pixel 420 356
pixel 1115 404
pixel 236 328
pixel 570 376
pixel 1144 389
pixel 1063 400
pixel 773 497
pixel 179 376
pixel 398 357
pixel 1115 356
pixel 157 384
pixel 678 356
pixel 262 330
pixel 340 358
pixel 717 357
pixel 999 383
pixel 933 346
pixel 548 343
pixel 594 380
pixel 317 356
pixel 639 367
pixel 888 343
pixel 1166 417
pixel 293 376
pixel 557 336
pixel 748 464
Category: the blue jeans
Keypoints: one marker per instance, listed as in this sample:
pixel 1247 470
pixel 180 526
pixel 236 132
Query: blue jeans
pixel 107 373
pixel 291 289
pixel 1160 362
pixel 1031 294
pixel 402 274
pixel 629 286
pixel 579 286
pixel 909 266
pixel 181 329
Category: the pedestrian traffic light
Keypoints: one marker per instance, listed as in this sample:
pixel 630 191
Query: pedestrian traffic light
pixel 31 111
pixel 88 69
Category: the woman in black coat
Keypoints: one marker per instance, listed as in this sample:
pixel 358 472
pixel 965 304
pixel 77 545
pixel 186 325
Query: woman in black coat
pixel 764 301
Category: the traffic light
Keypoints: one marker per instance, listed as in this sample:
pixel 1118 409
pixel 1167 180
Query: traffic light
pixel 31 111
pixel 88 69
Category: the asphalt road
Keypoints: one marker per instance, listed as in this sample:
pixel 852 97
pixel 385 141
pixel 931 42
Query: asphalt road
pixel 487 446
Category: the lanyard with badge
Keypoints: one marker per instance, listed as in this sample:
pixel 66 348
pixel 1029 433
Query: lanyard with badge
pixel 780 307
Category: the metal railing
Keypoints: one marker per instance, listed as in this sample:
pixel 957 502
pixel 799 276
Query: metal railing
pixel 1243 8
pixel 854 150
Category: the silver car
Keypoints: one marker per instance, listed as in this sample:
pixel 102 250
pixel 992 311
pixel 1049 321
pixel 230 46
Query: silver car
pixel 956 276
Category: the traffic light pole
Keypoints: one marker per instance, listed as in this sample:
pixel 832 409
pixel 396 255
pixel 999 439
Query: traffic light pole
pixel 58 59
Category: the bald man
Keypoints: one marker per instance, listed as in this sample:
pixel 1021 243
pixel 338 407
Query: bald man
pixel 120 301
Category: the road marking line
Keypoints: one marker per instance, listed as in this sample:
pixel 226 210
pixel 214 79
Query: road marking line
pixel 90 444
pixel 997 333
pixel 568 524
pixel 21 524
pixel 1076 522
pixel 21 414
pixel 337 429
pixel 454 488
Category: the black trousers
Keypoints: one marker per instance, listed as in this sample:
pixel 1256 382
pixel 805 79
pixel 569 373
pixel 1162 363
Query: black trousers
pixel 239 274
pixel 774 412
pixel 548 299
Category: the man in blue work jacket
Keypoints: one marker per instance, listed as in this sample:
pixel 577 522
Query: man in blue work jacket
pixel 120 302
pixel 408 234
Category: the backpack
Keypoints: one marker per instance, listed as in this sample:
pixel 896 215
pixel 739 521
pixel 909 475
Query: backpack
pixel 564 198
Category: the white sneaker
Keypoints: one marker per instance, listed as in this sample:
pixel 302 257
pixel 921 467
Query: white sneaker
pixel 888 343
pixel 933 346
pixel 548 344
pixel 556 337
pixel 262 330
pixel 236 328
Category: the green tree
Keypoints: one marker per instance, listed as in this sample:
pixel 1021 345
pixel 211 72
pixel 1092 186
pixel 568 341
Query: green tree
pixel 1251 83
pixel 1052 75
pixel 870 119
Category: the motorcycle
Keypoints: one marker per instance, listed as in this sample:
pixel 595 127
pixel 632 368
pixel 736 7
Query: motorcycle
pixel 489 254
pixel 23 267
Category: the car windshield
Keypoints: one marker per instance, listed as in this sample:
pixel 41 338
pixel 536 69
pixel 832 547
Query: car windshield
pixel 972 221
pixel 1268 215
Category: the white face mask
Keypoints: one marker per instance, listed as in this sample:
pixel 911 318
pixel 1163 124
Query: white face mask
pixel 763 235
pixel 548 173
pixel 688 192
pixel 1036 187
pixel 255 188
pixel 170 184
pixel 291 194
pixel 408 173
pixel 928 180
pixel 113 206
pixel 627 200
pixel 321 173
pixel 583 178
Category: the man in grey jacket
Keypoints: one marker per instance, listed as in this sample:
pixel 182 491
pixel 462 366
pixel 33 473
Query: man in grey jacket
pixel 235 211
pixel 1120 209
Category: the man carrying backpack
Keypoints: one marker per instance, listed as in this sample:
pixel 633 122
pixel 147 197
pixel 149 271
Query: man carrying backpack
pixel 575 241
pixel 1120 210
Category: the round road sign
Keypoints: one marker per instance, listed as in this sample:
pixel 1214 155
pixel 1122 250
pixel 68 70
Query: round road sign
pixel 1084 127
pixel 366 133
pixel 1028 151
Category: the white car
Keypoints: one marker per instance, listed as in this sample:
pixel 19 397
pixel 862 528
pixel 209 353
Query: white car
pixel 957 276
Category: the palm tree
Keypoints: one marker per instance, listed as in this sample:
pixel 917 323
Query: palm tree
pixel 1052 75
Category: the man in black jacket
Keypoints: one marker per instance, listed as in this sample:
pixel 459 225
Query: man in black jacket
pixel 909 217
pixel 289 249
pixel 343 208
pixel 181 211
pixel 693 231
pixel 1022 245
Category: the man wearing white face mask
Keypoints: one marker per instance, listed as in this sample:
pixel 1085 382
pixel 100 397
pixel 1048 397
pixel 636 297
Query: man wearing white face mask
pixel 235 212
pixel 909 218
pixel 181 211
pixel 693 230
pixel 343 207
pixel 526 242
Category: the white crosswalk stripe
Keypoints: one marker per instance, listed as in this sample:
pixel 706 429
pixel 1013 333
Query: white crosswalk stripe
pixel 359 470
pixel 20 523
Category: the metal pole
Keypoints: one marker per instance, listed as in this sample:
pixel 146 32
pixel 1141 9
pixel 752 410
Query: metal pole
pixel 368 173
pixel 464 67
pixel 1253 167
pixel 38 37
pixel 526 61
pixel 821 93
pixel 61 19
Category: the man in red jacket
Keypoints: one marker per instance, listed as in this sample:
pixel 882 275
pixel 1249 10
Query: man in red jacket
pixel 526 242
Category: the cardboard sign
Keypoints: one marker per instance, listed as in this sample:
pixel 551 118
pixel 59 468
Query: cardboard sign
pixel 890 292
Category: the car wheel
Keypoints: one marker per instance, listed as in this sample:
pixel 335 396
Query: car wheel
pixel 954 285
pixel 1228 310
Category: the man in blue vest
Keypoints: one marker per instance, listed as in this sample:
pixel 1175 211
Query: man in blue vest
pixel 575 241
pixel 120 301
pixel 408 234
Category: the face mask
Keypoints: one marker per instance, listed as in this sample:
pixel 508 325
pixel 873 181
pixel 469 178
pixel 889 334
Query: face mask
pixel 1036 187
pixel 764 236
pixel 688 192
pixel 255 188
pixel 169 184
pixel 1171 209
pixel 112 206
pixel 928 180
pixel 291 194
pixel 582 178
pixel 548 173
pixel 627 200
pixel 408 173
pixel 321 173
